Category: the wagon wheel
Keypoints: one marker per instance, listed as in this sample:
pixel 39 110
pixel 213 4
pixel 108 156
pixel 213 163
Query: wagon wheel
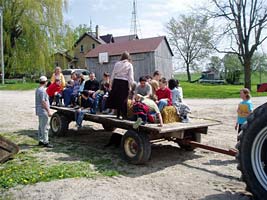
pixel 252 152
pixel 108 127
pixel 136 147
pixel 59 124
pixel 195 137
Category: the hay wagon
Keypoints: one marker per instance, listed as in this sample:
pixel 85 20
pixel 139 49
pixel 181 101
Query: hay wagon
pixel 136 143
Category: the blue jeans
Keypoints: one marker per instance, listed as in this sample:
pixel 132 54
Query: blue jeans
pixel 162 103
pixel 79 115
pixel 97 99
pixel 103 103
pixel 43 129
pixel 57 98
pixel 67 96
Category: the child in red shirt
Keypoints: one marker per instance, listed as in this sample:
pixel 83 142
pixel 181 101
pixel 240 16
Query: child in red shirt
pixel 164 94
pixel 54 91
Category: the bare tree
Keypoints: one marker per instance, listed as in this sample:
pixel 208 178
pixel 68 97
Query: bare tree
pixel 190 36
pixel 245 22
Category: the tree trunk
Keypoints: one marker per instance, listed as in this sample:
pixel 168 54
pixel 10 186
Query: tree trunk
pixel 188 72
pixel 247 71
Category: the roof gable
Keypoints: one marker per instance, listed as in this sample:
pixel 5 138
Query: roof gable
pixel 64 54
pixel 132 46
pixel 99 41
pixel 107 38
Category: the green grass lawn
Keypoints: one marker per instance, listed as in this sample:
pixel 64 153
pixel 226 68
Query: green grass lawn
pixel 196 90
pixel 28 167
pixel 19 86
pixel 191 90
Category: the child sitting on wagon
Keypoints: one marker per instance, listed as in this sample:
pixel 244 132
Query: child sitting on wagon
pixel 177 100
pixel 145 114
pixel 163 94
pixel 86 104
pixel 54 92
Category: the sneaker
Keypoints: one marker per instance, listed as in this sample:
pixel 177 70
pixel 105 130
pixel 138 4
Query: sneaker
pixel 111 113
pixel 92 111
pixel 137 123
pixel 78 126
pixel 40 143
pixel 185 120
pixel 105 111
pixel 47 145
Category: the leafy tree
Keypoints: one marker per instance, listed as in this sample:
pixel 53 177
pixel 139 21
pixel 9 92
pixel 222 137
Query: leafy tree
pixel 216 63
pixel 233 68
pixel 258 64
pixel 243 23
pixel 31 32
pixel 80 30
pixel 190 36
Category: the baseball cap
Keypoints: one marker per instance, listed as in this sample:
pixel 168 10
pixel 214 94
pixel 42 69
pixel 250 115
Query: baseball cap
pixel 42 79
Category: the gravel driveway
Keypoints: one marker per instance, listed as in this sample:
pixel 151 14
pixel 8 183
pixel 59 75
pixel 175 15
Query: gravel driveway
pixel 170 174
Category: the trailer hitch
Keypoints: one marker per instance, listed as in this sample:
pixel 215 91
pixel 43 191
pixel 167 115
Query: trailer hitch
pixel 230 152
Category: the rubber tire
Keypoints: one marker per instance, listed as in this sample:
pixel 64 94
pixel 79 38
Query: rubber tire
pixel 59 124
pixel 108 127
pixel 187 147
pixel 143 151
pixel 255 127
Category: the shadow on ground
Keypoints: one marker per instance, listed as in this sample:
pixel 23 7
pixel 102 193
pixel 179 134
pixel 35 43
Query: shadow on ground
pixel 89 145
pixel 227 196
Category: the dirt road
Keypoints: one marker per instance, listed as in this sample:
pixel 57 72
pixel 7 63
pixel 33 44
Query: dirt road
pixel 170 174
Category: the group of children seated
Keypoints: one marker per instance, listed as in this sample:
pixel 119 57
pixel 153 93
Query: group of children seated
pixel 156 93
pixel 147 98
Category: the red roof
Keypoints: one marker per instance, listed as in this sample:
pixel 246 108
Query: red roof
pixel 125 38
pixel 133 47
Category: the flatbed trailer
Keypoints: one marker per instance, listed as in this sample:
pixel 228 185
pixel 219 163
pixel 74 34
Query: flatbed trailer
pixel 136 143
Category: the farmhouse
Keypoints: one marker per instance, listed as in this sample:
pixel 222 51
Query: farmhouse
pixel 85 43
pixel 148 55
pixel 62 59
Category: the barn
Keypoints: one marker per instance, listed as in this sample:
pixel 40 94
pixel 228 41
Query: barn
pixel 148 55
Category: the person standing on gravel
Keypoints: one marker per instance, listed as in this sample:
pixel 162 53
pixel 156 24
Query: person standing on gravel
pixel 42 110
pixel 245 107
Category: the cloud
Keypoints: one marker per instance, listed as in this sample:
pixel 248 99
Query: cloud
pixel 115 16
pixel 114 31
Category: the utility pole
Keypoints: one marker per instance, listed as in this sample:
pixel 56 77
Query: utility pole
pixel 2 47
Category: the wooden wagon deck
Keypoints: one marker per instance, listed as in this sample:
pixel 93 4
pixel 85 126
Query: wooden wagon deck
pixel 111 120
pixel 136 143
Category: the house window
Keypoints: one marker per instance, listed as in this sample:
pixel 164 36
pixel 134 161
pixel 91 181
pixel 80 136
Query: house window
pixel 93 46
pixel 81 50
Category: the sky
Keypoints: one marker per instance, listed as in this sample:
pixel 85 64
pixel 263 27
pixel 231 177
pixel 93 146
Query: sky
pixel 114 16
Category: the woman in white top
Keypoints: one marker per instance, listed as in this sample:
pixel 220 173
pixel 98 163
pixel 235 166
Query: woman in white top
pixel 121 79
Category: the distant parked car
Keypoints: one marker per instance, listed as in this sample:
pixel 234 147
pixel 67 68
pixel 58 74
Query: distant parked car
pixel 67 73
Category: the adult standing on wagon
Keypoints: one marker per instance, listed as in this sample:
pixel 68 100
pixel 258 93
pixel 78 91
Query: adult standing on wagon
pixel 121 79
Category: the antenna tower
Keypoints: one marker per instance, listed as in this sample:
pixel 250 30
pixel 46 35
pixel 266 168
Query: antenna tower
pixel 135 26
